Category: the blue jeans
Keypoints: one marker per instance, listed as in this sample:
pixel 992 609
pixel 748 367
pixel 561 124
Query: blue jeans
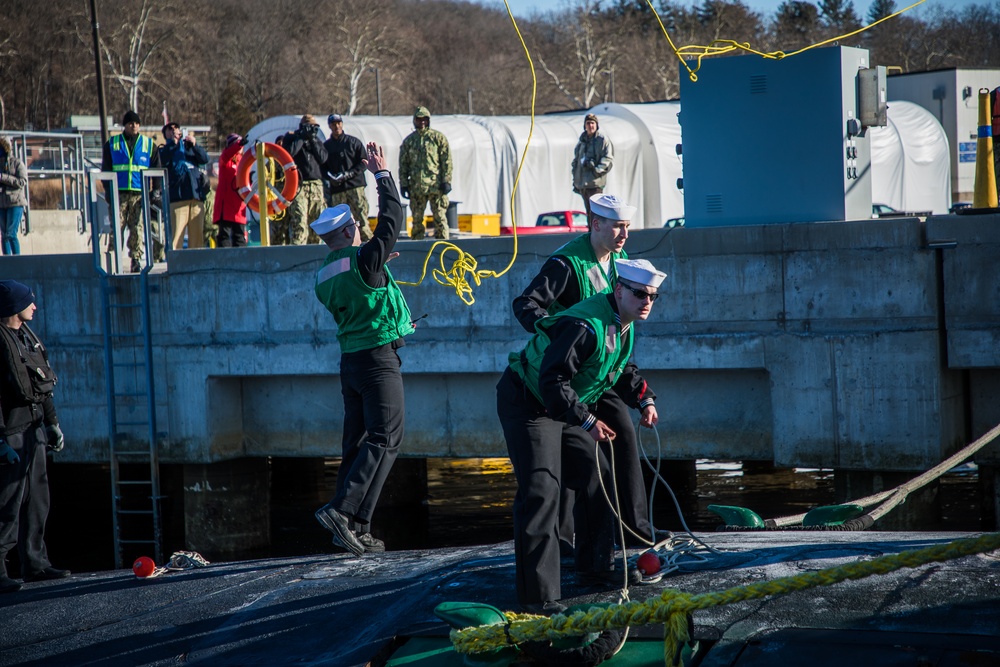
pixel 10 222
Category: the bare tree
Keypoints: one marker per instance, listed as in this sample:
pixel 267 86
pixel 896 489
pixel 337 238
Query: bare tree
pixel 130 48
pixel 582 51
pixel 365 38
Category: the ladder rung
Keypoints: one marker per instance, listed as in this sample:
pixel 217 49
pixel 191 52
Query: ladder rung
pixel 125 305
pixel 125 335
pixel 145 423
pixel 136 541
pixel 129 363
pixel 131 393
pixel 133 482
pixel 135 511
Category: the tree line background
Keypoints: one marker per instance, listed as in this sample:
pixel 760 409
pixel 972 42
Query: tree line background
pixel 232 63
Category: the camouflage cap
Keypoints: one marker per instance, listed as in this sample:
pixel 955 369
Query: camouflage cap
pixel 421 112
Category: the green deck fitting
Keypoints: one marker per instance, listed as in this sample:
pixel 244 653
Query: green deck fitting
pixel 832 515
pixel 737 516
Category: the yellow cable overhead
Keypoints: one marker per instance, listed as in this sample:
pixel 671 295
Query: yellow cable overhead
pixel 465 269
pixel 721 46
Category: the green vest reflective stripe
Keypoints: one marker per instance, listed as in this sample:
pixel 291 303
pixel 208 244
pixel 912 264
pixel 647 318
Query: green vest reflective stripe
pixel 590 275
pixel 128 165
pixel 600 371
pixel 366 316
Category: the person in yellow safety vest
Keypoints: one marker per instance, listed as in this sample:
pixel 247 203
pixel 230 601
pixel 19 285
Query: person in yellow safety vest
pixel 128 154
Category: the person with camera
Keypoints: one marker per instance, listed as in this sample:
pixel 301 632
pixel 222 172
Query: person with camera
pixel 372 317
pixel 28 426
pixel 306 148
pixel 181 156
pixel 592 160
pixel 345 172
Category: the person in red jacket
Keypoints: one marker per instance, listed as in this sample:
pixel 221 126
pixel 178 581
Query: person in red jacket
pixel 230 211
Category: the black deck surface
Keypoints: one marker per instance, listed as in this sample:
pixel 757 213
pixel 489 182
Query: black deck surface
pixel 339 610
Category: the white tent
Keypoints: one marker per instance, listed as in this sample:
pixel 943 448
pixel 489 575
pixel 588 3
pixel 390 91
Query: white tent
pixel 911 164
pixel 486 151
pixel 660 133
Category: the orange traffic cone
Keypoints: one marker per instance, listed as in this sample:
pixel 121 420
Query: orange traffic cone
pixel 985 193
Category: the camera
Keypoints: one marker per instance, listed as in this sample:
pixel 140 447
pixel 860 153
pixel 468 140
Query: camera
pixel 308 131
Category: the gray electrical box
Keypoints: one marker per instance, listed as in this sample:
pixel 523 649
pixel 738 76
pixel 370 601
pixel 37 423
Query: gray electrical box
pixel 872 102
pixel 776 141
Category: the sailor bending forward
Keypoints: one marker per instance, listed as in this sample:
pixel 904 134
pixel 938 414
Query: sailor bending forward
pixel 544 401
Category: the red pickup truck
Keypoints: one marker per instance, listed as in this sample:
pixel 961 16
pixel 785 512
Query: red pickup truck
pixel 556 222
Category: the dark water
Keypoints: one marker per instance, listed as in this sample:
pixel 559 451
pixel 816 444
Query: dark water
pixel 467 502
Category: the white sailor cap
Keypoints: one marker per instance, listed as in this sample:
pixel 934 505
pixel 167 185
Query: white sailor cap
pixel 639 272
pixel 611 207
pixel 332 219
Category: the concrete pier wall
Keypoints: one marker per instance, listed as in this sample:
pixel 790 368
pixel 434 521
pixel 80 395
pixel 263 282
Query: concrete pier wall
pixel 848 345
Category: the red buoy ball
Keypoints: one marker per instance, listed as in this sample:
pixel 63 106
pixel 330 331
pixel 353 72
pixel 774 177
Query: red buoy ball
pixel 143 566
pixel 648 563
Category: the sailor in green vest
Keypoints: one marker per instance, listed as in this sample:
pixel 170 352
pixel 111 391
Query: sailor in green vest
pixel 372 317
pixel 128 154
pixel 545 401
pixel 578 270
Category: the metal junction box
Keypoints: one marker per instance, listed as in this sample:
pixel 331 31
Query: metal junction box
pixel 779 141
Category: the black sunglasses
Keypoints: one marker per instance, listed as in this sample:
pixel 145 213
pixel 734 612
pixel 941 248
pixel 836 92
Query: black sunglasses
pixel 640 294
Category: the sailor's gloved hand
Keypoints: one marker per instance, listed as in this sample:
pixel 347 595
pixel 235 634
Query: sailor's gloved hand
pixel 56 439
pixel 445 188
pixel 589 164
pixel 7 454
pixel 404 192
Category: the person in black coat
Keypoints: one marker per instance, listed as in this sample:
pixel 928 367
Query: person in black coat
pixel 28 426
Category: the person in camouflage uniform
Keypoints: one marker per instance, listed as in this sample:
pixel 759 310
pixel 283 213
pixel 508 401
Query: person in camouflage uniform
pixel 309 154
pixel 345 173
pixel 425 170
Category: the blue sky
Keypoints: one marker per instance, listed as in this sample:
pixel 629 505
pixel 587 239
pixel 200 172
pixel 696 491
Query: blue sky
pixel 523 8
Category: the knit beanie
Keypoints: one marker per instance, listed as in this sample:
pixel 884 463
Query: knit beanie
pixel 14 297
pixel 130 117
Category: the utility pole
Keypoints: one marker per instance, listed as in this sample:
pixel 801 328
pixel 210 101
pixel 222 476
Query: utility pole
pixel 102 105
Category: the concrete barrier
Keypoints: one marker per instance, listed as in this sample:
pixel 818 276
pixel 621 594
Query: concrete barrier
pixel 842 345
pixel 55 233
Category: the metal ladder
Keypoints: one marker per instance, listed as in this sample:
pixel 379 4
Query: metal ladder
pixel 131 401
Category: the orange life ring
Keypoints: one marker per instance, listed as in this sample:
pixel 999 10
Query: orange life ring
pixel 248 193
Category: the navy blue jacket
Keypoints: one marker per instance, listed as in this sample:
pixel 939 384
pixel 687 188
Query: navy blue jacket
pixel 181 160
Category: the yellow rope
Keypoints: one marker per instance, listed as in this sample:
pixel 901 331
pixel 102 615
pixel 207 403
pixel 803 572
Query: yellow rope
pixel 721 46
pixel 465 267
pixel 672 607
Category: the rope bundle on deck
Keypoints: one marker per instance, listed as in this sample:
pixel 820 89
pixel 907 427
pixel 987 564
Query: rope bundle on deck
pixel 672 608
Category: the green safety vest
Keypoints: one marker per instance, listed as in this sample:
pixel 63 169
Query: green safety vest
pixel 128 166
pixel 366 316
pixel 589 273
pixel 600 371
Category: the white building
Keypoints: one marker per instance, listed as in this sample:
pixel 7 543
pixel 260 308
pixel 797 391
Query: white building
pixel 952 96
